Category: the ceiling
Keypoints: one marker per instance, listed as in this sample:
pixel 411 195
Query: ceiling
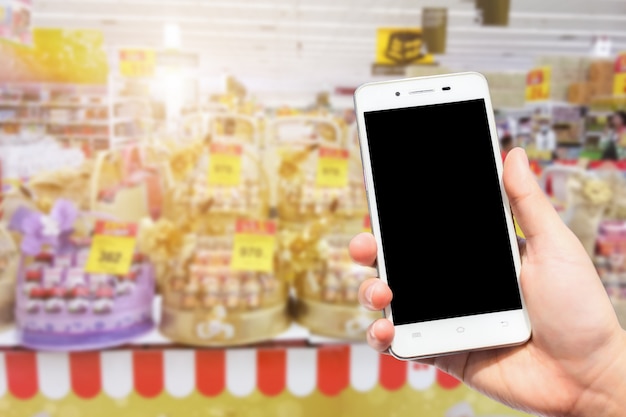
pixel 313 45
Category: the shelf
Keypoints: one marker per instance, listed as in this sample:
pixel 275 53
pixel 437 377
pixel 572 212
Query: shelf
pixel 72 112
pixel 4 103
pixel 57 122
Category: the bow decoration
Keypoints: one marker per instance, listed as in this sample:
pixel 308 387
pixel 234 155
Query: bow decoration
pixel 40 230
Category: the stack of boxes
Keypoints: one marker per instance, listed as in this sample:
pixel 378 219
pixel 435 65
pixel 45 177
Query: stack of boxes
pixel 596 85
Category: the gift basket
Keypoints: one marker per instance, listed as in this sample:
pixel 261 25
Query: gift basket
pixel 80 283
pixel 217 245
pixel 9 258
pixel 314 172
pixel 319 196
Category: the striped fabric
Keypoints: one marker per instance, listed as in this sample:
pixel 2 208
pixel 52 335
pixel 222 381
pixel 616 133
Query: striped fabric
pixel 210 372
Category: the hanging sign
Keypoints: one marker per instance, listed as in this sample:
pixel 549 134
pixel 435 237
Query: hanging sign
pixel 401 46
pixel 434 27
pixel 136 62
pixel 538 84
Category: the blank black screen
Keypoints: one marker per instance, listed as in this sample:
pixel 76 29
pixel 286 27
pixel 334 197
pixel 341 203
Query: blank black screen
pixel 440 211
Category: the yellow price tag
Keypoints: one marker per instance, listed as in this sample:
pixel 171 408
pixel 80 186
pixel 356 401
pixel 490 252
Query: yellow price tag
pixel 619 84
pixel 225 165
pixel 137 62
pixel 254 246
pixel 538 84
pixel 112 248
pixel 332 167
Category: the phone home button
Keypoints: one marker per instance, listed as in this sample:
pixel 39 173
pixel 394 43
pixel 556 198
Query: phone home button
pixel 460 329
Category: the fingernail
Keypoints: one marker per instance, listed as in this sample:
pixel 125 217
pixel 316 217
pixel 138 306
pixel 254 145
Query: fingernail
pixel 369 292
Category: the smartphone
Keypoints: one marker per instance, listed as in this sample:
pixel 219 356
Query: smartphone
pixel 446 239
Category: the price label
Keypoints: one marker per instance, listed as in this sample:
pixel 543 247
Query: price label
pixel 619 84
pixel 538 84
pixel 254 246
pixel 112 248
pixel 332 167
pixel 367 223
pixel 136 62
pixel 225 165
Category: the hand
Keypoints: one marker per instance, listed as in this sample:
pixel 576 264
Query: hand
pixel 575 361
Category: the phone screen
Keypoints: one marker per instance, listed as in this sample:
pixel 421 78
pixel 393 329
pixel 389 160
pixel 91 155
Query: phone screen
pixel 440 211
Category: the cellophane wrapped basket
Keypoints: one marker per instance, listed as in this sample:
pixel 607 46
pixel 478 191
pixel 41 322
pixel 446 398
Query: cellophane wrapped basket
pixel 59 305
pixel 207 299
pixel 320 200
pixel 9 259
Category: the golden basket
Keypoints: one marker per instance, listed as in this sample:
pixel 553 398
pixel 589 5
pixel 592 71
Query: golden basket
pixel 9 261
pixel 206 301
pixel 300 149
pixel 325 281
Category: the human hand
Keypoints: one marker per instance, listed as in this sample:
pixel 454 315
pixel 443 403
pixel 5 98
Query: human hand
pixel 575 362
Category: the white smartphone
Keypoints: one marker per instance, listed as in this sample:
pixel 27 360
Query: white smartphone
pixel 446 239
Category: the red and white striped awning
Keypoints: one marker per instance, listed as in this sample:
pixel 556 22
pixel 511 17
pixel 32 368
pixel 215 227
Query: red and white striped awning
pixel 211 372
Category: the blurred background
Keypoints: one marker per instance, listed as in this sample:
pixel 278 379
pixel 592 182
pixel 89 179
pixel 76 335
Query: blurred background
pixel 180 180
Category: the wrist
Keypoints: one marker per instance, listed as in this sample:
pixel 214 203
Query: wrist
pixel 606 394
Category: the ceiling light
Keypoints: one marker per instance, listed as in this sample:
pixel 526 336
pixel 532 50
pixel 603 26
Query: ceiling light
pixel 171 36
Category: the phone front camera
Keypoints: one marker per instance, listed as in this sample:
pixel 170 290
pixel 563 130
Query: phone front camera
pixel 397 93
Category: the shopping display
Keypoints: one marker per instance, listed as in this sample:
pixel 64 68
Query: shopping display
pixel 169 236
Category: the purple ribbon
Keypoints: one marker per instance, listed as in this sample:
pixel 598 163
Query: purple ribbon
pixel 40 230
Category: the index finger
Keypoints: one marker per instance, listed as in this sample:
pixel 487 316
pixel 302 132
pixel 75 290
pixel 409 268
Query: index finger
pixel 362 249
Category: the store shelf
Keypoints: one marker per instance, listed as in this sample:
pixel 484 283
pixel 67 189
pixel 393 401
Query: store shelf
pixel 62 111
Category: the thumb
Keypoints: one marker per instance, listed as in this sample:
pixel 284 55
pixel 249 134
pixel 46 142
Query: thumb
pixel 534 213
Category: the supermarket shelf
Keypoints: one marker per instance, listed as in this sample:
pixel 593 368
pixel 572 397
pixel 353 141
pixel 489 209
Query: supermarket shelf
pixel 57 122
pixel 66 104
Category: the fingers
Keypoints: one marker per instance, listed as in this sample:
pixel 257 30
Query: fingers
pixel 380 334
pixel 531 208
pixel 363 249
pixel 374 294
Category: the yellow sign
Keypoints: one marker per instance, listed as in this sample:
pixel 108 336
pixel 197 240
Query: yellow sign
pixel 135 63
pixel 401 46
pixel 619 77
pixel 225 165
pixel 332 167
pixel 538 84
pixel 254 246
pixel 112 248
